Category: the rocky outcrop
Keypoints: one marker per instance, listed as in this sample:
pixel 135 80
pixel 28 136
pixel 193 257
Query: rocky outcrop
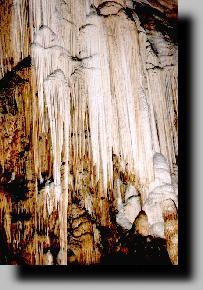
pixel 88 130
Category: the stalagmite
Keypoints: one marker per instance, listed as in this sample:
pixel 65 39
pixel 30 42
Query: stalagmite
pixel 130 209
pixel 88 128
pixel 160 191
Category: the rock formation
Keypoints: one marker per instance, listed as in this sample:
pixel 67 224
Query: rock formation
pixel 88 131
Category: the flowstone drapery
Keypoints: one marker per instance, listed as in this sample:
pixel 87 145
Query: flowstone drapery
pixel 88 129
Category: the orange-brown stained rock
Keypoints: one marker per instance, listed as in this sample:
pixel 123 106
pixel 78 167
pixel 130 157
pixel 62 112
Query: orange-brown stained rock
pixel 142 225
pixel 171 230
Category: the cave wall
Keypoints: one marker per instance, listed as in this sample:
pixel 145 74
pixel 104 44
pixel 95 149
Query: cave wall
pixel 88 129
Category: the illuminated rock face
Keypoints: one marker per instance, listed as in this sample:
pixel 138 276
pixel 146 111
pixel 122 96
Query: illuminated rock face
pixel 89 130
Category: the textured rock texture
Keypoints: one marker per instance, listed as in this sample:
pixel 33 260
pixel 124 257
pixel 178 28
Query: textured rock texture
pixel 88 132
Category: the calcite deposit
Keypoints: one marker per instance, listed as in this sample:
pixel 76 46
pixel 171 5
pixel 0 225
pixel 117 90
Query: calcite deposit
pixel 88 131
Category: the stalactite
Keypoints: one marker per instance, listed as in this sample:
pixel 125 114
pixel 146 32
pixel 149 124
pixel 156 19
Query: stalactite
pixel 88 115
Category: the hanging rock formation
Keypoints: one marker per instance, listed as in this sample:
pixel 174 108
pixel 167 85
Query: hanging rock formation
pixel 88 131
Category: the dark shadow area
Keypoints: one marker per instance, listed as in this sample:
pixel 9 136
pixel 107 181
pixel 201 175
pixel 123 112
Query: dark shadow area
pixel 100 272
pixel 8 83
pixel 151 18
pixel 185 107
pixel 118 268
